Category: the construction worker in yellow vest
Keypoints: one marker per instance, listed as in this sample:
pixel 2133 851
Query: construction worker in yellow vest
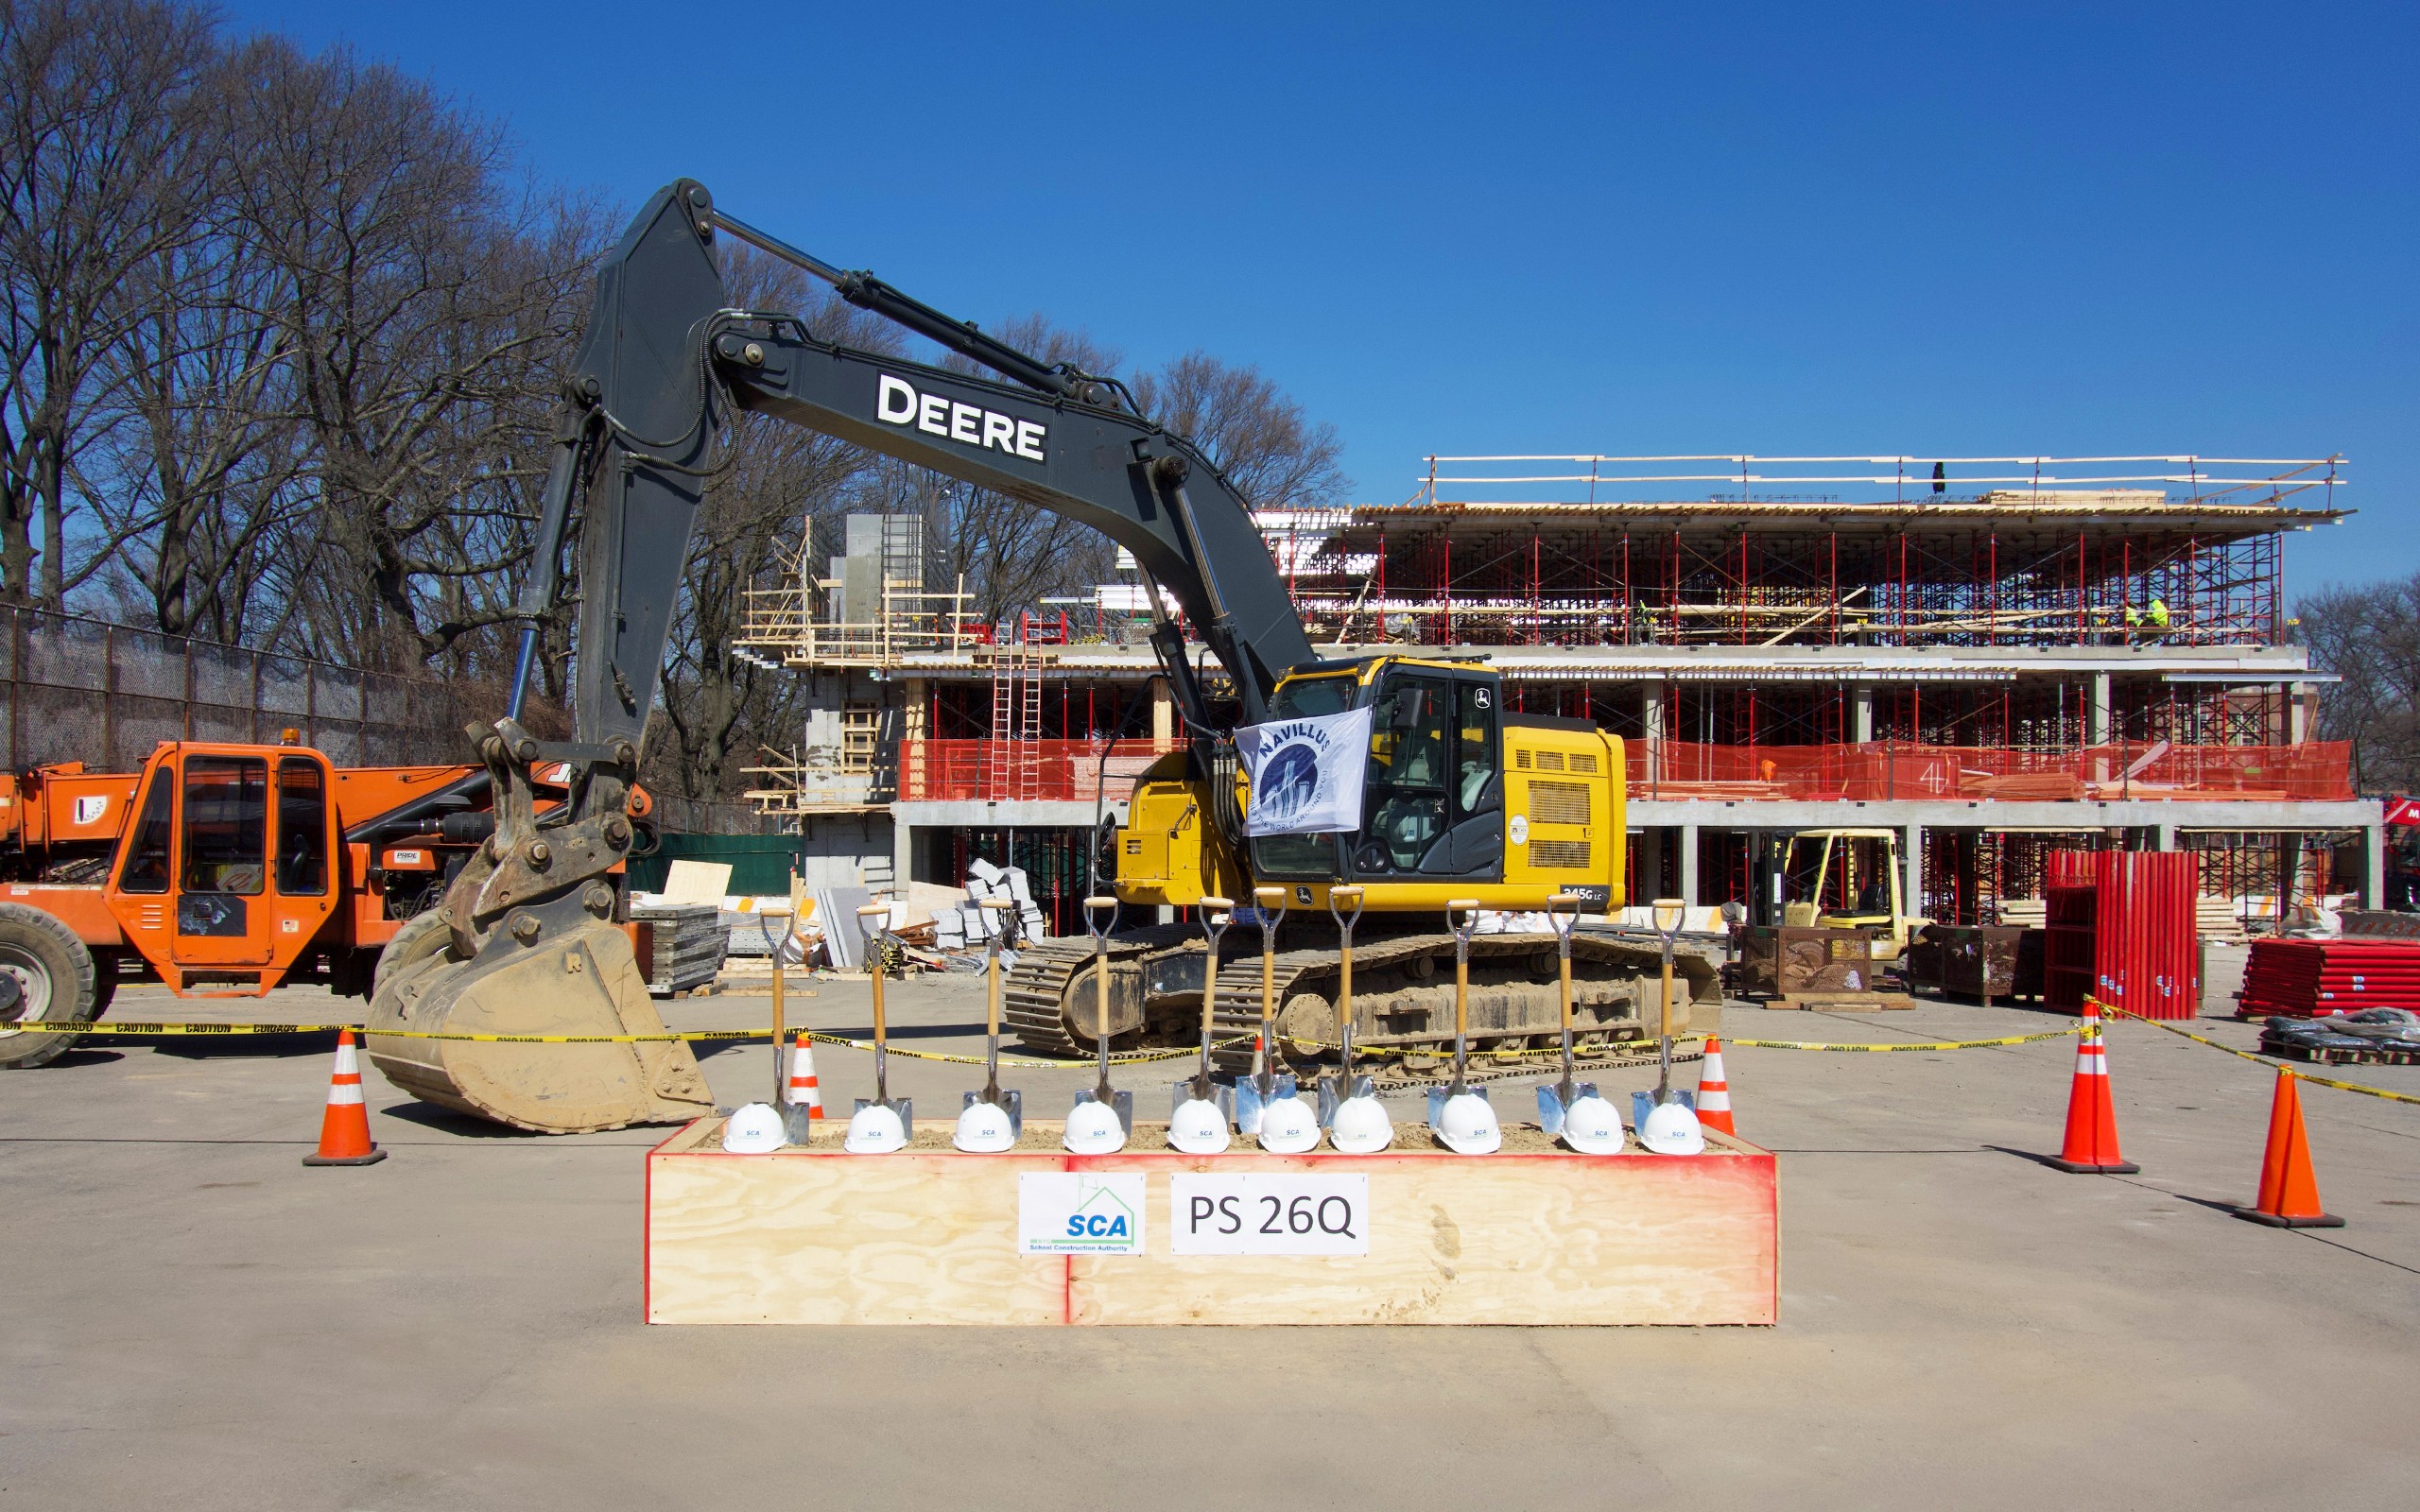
pixel 2150 621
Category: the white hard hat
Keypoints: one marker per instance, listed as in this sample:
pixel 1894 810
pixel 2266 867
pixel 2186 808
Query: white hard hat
pixel 1592 1125
pixel 874 1129
pixel 1360 1127
pixel 1093 1128
pixel 755 1129
pixel 1288 1126
pixel 1671 1129
pixel 1198 1127
pixel 1468 1125
pixel 984 1129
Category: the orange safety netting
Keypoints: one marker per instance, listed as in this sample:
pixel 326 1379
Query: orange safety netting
pixel 1047 770
pixel 2316 770
pixel 943 772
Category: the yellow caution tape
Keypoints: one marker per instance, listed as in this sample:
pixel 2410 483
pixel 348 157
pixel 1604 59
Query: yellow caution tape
pixel 205 1028
pixel 2117 1013
pixel 1117 1057
pixel 1898 1045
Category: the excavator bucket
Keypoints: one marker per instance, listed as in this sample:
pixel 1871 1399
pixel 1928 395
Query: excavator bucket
pixel 578 984
pixel 524 947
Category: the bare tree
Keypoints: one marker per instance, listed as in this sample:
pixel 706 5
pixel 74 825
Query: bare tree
pixel 1009 553
pixel 1269 450
pixel 94 98
pixel 426 306
pixel 2369 637
pixel 778 490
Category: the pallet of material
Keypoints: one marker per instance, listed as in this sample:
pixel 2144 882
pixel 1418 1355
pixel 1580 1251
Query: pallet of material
pixel 2304 977
pixel 1842 1002
pixel 685 943
pixel 2321 1056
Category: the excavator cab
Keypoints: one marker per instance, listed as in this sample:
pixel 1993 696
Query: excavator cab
pixel 1432 795
pixel 225 875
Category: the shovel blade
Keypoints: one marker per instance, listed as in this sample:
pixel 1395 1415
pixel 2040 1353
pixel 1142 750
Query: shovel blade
pixel 904 1106
pixel 1550 1109
pixel 1011 1101
pixel 1248 1107
pixel 1220 1094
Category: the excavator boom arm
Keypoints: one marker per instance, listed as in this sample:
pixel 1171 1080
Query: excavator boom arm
pixel 663 356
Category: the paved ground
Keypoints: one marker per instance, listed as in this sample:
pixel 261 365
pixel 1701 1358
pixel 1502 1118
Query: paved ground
pixel 196 1319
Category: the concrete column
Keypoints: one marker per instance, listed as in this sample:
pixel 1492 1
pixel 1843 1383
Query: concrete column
pixel 2097 720
pixel 903 853
pixel 1651 728
pixel 1862 712
pixel 1651 867
pixel 2300 703
pixel 1912 886
pixel 1162 712
pixel 1690 863
pixel 2163 836
pixel 2373 866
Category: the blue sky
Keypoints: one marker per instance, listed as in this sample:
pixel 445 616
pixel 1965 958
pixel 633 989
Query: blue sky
pixel 2076 229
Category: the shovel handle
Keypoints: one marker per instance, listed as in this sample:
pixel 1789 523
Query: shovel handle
pixel 1093 908
pixel 1348 893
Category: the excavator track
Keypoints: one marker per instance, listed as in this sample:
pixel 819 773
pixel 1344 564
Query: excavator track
pixel 1039 1004
pixel 1403 993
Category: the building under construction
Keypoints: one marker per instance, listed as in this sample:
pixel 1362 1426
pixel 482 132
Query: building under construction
pixel 1990 656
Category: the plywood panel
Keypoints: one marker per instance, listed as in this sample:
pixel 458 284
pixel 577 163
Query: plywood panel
pixel 800 1238
pixel 824 1237
pixel 1496 1239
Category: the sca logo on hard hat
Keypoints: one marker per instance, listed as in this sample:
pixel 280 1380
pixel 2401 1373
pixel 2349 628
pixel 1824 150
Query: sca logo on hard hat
pixel 1096 1225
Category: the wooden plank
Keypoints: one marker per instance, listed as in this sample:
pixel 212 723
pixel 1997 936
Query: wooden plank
pixel 812 1238
pixel 820 1236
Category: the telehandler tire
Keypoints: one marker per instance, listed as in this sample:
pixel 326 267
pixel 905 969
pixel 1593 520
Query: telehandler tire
pixel 50 976
pixel 423 936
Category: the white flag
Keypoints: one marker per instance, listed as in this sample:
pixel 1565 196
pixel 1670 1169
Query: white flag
pixel 1305 774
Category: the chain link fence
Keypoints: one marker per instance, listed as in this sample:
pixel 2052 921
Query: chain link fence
pixel 83 690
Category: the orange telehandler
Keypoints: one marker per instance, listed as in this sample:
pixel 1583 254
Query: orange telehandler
pixel 243 867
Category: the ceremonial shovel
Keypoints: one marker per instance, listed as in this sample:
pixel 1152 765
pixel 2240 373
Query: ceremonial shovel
pixel 1563 911
pixel 1216 914
pixel 1010 1102
pixel 1122 1101
pixel 871 920
pixel 1335 1089
pixel 1265 1085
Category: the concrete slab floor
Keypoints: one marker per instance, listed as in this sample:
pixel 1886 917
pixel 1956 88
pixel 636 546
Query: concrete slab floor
pixel 196 1318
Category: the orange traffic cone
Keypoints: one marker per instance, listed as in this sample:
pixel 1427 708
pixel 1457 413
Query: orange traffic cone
pixel 2289 1188
pixel 344 1130
pixel 2092 1118
pixel 1714 1093
pixel 804 1092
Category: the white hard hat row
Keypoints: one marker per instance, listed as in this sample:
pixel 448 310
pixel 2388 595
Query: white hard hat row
pixel 1465 1124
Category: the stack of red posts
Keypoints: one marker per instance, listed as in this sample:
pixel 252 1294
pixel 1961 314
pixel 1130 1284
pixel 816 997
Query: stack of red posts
pixel 2307 977
pixel 2120 930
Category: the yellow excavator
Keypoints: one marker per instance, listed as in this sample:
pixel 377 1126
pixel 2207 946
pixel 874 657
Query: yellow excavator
pixel 1461 797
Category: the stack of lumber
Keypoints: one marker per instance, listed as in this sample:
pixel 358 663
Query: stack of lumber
pixel 2307 977
pixel 688 944
pixel 2215 919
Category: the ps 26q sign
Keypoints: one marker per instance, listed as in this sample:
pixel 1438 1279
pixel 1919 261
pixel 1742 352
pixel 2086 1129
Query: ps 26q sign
pixel 1253 1214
